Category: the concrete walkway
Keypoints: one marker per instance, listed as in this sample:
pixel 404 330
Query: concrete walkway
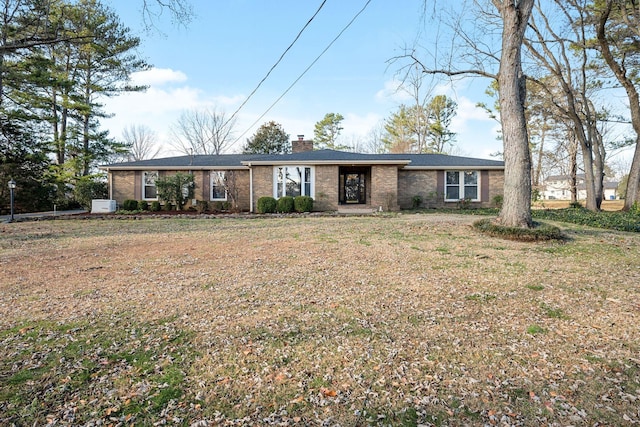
pixel 6 218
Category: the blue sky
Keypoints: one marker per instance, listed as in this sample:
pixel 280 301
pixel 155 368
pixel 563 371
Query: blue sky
pixel 219 58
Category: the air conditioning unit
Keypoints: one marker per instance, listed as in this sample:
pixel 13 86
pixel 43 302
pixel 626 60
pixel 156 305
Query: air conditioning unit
pixel 103 206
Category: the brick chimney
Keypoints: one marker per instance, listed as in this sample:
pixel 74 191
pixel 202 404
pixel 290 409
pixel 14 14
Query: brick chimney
pixel 300 145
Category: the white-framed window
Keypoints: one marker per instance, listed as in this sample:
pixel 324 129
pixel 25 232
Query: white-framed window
pixel 218 187
pixel 293 181
pixel 149 190
pixel 462 185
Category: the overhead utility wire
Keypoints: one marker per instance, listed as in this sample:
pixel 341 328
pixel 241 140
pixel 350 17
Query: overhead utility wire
pixel 305 71
pixel 277 62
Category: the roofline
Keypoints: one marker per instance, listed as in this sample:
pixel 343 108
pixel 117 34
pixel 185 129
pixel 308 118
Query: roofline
pixel 323 162
pixel 170 168
pixel 439 168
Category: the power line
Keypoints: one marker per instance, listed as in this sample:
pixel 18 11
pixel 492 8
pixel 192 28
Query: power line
pixel 278 61
pixel 305 71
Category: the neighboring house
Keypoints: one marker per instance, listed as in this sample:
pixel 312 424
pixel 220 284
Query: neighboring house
pixel 334 179
pixel 558 187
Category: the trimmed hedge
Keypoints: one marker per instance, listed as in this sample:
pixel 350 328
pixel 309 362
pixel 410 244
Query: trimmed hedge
pixel 266 204
pixel 143 205
pixel 285 204
pixel 130 205
pixel 155 206
pixel 303 204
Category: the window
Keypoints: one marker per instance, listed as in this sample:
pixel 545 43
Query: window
pixel 149 191
pixel 293 181
pixel 461 185
pixel 218 188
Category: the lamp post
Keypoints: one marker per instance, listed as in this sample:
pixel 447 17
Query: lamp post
pixel 12 186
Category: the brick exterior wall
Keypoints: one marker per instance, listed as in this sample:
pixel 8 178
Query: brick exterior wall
pixel 123 185
pixel 388 187
pixel 384 187
pixel 326 191
pixel 262 183
pixel 429 185
pixel 419 183
pixel 496 185
pixel 128 185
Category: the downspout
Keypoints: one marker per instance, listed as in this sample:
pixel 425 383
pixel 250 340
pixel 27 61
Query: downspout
pixel 250 188
pixel 110 175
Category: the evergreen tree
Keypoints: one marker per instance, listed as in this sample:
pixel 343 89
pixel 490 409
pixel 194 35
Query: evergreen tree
pixel 270 138
pixel 327 131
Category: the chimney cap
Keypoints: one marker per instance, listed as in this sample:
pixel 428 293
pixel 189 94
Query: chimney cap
pixel 300 137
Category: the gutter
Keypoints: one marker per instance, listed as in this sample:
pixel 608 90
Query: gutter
pixel 250 188
pixel 326 162
pixel 456 168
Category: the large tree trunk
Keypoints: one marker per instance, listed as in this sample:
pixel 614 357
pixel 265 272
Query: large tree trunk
pixel 633 183
pixel 516 208
pixel 573 168
pixel 589 178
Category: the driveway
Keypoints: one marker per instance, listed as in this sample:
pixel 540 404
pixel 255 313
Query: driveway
pixel 5 218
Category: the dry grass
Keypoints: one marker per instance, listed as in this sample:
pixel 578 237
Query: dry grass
pixel 401 320
pixel 607 205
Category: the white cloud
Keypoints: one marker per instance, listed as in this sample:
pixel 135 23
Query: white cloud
pixel 158 77
pixel 355 124
pixel 161 104
pixel 392 92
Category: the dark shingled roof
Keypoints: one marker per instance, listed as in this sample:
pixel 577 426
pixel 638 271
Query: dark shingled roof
pixel 319 156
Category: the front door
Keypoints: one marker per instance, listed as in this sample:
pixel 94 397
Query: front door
pixel 353 187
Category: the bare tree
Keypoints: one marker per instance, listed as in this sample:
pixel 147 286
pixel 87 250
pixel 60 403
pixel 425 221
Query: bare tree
pixel 412 84
pixel 513 17
pixel 141 142
pixel 374 139
pixel 618 28
pixel 203 132
pixel 563 56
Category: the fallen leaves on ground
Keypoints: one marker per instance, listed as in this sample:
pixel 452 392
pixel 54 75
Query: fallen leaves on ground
pixel 401 320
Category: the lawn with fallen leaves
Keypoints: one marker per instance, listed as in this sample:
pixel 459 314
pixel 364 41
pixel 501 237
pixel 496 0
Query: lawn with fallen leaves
pixel 381 320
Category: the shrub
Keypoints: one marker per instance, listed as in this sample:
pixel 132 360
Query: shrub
pixel 87 189
pixel 226 206
pixel 266 204
pixel 303 204
pixel 575 205
pixel 285 204
pixel 216 206
pixel 497 201
pixel 130 205
pixel 155 206
pixel 202 206
pixel 416 201
pixel 464 204
pixel 635 208
pixel 168 206
pixel 176 189
pixel 143 205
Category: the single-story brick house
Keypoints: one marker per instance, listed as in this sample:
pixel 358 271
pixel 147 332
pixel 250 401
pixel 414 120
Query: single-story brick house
pixel 334 179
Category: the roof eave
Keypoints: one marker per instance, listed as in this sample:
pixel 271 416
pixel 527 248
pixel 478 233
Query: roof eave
pixel 171 168
pixel 325 162
pixel 439 168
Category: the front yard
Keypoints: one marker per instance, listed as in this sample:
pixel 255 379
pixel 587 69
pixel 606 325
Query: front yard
pixel 404 320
